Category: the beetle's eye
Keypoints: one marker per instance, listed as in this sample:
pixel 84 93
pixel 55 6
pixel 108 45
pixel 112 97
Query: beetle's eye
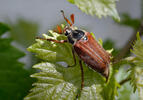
pixel 66 33
pixel 85 38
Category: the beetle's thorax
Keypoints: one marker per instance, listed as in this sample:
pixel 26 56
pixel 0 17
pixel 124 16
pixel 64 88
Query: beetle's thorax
pixel 73 35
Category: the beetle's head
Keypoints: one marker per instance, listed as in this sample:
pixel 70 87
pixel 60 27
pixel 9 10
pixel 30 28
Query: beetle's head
pixel 71 32
pixel 74 33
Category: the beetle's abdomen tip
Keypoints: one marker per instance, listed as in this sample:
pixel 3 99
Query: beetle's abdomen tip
pixel 106 73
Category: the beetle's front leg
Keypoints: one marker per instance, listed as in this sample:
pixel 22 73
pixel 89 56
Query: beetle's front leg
pixel 56 41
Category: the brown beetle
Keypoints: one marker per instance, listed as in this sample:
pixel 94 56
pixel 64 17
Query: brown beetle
pixel 86 47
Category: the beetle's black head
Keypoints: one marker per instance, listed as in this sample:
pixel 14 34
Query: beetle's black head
pixel 73 35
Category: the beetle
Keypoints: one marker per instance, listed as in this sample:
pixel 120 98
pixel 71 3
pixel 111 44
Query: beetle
pixel 86 48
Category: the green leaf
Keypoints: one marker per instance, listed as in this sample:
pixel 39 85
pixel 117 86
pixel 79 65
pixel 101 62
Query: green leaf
pixel 98 7
pixel 125 91
pixel 50 51
pixel 136 71
pixel 136 74
pixel 138 51
pixel 56 82
pixel 14 79
pixel 3 28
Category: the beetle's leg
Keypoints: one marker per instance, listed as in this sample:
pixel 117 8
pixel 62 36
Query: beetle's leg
pixel 56 41
pixel 82 74
pixel 82 80
pixel 73 53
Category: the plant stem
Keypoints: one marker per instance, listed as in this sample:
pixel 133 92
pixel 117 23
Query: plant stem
pixel 128 45
pixel 124 81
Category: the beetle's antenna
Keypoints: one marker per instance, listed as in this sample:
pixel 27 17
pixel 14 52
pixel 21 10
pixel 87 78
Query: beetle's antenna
pixel 72 18
pixel 66 18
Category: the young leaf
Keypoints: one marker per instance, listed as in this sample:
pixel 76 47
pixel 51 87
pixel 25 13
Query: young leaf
pixel 98 7
pixel 136 73
pixel 56 82
pixel 14 80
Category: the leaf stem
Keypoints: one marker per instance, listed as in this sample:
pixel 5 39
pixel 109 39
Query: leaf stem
pixel 128 45
pixel 127 60
pixel 125 80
